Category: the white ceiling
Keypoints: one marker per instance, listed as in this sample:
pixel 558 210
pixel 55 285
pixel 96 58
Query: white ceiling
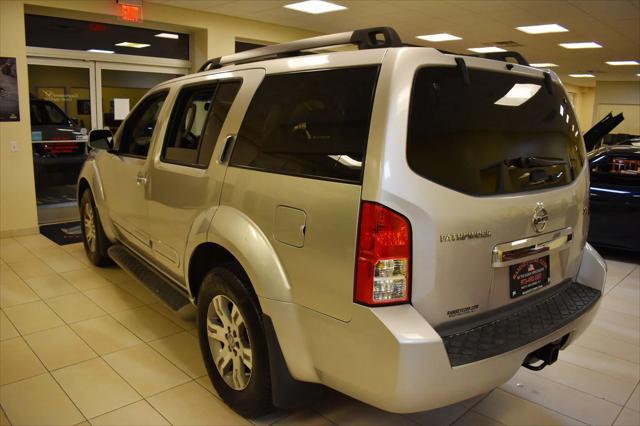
pixel 615 24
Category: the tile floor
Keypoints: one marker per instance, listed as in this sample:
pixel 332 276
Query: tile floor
pixel 84 345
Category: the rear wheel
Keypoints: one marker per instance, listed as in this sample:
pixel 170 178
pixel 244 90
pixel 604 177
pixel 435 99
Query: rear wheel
pixel 95 241
pixel 233 344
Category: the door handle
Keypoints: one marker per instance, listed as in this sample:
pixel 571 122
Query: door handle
pixel 141 180
pixel 228 141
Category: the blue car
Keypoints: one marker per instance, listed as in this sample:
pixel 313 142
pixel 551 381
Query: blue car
pixel 615 190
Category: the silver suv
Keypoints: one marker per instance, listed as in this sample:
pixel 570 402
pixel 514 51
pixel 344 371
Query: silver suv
pixel 400 224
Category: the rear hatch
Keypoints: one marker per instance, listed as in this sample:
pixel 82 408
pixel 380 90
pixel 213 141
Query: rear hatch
pixel 498 192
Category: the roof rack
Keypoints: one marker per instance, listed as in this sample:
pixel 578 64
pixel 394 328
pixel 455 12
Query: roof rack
pixel 503 56
pixel 367 38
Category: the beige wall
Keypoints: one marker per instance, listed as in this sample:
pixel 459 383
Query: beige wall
pixel 593 103
pixel 583 101
pixel 213 35
pixel 619 97
pixel 17 191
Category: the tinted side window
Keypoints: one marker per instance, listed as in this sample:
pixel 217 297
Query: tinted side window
pixel 311 124
pixel 187 122
pixel 196 121
pixel 225 96
pixel 138 130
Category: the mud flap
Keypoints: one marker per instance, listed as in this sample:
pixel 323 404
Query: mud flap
pixel 287 393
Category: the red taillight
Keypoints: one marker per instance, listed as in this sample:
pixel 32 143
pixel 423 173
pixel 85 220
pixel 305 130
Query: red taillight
pixel 383 261
pixel 61 148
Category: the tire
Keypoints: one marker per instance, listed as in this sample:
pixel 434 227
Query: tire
pixel 94 239
pixel 228 308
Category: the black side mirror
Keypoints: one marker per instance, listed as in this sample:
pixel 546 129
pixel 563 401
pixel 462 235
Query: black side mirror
pixel 101 139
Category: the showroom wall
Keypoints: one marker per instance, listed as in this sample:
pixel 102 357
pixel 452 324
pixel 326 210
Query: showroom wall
pixel 17 188
pixel 213 35
pixel 616 97
pixel 582 98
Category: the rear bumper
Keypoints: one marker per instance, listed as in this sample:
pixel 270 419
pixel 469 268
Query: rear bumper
pixel 392 358
pixel 519 325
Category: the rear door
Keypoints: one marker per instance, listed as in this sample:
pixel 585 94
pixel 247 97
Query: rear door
pixel 185 178
pixel 495 188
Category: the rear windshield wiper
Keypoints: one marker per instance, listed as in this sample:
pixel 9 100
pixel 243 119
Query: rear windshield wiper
pixel 529 162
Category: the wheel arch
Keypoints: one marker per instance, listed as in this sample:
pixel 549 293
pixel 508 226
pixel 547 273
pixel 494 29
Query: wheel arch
pixel 83 185
pixel 90 179
pixel 209 255
pixel 233 237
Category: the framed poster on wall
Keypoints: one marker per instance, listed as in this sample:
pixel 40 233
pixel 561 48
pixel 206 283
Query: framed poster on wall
pixel 9 102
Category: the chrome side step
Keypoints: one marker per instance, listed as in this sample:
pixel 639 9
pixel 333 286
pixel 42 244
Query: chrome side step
pixel 144 273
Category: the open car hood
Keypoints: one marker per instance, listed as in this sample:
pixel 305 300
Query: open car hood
pixel 600 129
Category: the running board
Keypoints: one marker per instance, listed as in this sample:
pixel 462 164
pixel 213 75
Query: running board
pixel 149 277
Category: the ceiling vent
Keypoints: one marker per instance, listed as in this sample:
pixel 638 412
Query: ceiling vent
pixel 504 43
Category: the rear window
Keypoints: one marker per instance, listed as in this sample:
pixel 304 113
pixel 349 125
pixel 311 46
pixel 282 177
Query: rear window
pixel 500 133
pixel 311 124
pixel 618 168
pixel 47 113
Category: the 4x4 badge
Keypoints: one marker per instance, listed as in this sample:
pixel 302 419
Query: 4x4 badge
pixel 540 218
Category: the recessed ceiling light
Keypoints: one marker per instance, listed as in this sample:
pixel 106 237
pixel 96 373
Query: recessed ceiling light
pixel 439 37
pixel 543 65
pixel 616 63
pixel 99 51
pixel 168 35
pixel 490 49
pixel 581 45
pixel 543 29
pixel 581 75
pixel 315 7
pixel 131 44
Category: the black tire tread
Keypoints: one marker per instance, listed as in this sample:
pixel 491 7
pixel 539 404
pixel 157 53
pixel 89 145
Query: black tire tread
pixel 255 400
pixel 100 257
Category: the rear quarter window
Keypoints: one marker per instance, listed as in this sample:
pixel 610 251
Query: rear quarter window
pixel 501 133
pixel 617 168
pixel 312 124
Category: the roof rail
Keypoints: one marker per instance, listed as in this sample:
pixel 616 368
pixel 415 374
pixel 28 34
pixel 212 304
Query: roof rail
pixel 503 56
pixel 367 38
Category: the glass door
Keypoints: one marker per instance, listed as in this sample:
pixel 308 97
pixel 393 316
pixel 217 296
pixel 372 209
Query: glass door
pixel 121 86
pixel 68 98
pixel 63 110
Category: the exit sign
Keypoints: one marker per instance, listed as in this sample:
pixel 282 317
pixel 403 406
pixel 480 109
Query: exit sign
pixel 130 12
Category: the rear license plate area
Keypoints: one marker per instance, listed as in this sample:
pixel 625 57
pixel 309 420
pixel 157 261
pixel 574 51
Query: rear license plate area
pixel 529 276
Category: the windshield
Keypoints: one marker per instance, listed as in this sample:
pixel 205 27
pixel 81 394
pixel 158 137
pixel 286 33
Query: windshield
pixel 498 133
pixel 44 112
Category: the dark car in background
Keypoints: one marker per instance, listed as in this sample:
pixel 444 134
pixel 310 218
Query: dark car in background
pixel 59 144
pixel 615 189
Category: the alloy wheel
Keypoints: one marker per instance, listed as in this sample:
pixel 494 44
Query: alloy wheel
pixel 229 342
pixel 89 227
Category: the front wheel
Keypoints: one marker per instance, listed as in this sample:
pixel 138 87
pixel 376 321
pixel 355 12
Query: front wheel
pixel 95 241
pixel 233 343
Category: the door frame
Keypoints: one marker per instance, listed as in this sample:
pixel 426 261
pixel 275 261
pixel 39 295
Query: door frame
pixel 118 66
pixel 96 62
pixel 74 63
